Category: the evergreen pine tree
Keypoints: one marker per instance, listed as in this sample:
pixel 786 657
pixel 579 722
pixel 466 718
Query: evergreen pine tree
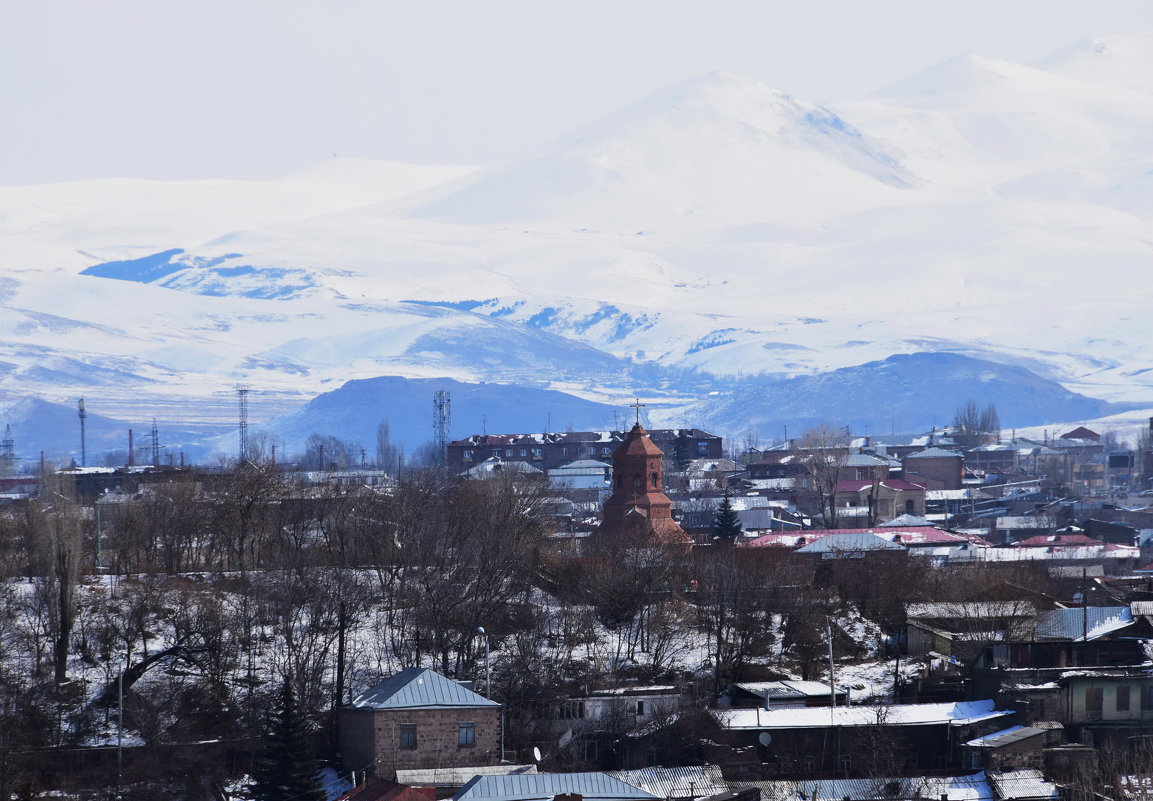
pixel 287 769
pixel 726 522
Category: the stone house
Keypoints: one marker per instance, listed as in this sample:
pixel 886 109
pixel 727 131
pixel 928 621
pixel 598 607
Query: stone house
pixel 418 718
pixel 935 468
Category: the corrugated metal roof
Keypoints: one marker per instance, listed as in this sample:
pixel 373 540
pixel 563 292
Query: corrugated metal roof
pixel 544 786
pixel 1082 624
pixel 785 689
pixel 415 688
pixel 974 787
pixel 456 777
pixel 934 453
pixel 1013 734
pixel 1022 784
pixel 1141 608
pixel 971 610
pixel 872 715
pixel 686 782
pixel 851 543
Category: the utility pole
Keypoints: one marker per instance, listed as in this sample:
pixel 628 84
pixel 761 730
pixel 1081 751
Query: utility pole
pixel 242 398
pixel 83 441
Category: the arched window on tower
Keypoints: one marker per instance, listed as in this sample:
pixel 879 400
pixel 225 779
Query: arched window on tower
pixel 636 481
pixel 654 480
pixel 620 481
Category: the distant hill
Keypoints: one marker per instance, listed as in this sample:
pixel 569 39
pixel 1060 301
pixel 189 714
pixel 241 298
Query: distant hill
pixel 908 392
pixel 353 412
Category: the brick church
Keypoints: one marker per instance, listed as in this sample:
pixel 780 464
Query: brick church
pixel 638 510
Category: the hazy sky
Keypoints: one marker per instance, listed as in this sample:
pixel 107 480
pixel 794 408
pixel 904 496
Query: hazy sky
pixel 258 88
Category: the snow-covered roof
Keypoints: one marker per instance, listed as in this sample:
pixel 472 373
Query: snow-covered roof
pixel 1064 554
pixel 592 786
pixel 956 713
pixel 972 787
pixel 1084 624
pixel 684 782
pixel 456 777
pixel 785 689
pixel 1141 608
pixel 851 543
pixel 420 688
pixel 582 466
pixel 1023 783
pixel 897 484
pixel 998 739
pixel 970 610
pixel 781 484
pixel 495 464
pixel 950 495
pixel 934 453
pixel 906 520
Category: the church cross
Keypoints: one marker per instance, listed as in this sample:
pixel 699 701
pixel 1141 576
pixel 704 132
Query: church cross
pixel 638 406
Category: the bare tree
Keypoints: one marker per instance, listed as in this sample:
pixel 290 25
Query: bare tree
pixel 973 425
pixel 821 450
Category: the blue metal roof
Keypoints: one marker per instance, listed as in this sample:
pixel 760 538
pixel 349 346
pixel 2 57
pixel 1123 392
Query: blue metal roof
pixel 420 688
pixel 1088 623
pixel 545 786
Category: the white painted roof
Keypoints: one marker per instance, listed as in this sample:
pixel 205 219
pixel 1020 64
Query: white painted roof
pixel 891 715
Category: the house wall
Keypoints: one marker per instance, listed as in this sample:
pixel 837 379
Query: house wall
pixel 1111 693
pixel 940 472
pixel 370 738
pixel 1028 753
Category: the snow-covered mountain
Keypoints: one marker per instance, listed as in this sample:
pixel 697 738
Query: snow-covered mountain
pixel 711 237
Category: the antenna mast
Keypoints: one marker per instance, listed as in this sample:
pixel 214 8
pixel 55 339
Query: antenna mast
pixel 83 440
pixel 7 454
pixel 441 422
pixel 242 398
pixel 155 434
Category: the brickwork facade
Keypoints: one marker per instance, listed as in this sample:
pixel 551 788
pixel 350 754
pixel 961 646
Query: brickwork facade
pixel 383 741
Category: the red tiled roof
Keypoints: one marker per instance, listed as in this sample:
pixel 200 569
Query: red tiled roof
pixel 383 790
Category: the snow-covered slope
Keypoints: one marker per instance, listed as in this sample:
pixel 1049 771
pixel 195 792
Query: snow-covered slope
pixel 716 230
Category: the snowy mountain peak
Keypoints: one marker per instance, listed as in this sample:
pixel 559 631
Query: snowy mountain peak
pixel 1117 60
pixel 702 152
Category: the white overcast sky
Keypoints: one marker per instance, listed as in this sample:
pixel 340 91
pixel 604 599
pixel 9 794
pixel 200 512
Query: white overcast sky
pixel 259 88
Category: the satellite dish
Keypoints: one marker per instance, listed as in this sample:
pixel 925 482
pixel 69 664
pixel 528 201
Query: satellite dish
pixel 535 754
pixel 764 738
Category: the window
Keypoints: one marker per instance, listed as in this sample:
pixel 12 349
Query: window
pixel 702 448
pixel 861 473
pixel 1094 701
pixel 605 450
pixel 571 710
pixel 654 480
pixel 468 454
pixel 508 453
pixel 536 453
pixel 524 451
pixel 466 735
pixel 1123 698
pixel 408 735
pixel 640 710
pixel 564 451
